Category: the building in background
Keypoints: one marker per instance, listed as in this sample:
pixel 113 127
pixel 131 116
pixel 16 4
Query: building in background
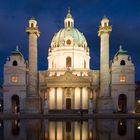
pixel 69 83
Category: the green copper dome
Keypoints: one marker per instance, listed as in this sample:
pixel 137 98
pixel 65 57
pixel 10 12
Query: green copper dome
pixel 76 38
pixel 59 37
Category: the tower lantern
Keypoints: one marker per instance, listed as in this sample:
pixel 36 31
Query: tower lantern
pixel 32 23
pixel 32 27
pixel 105 22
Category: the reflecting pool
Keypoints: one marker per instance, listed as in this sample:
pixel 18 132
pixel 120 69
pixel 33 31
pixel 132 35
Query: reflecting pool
pixel 119 129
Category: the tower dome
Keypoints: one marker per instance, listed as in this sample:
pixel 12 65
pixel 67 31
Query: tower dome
pixel 69 36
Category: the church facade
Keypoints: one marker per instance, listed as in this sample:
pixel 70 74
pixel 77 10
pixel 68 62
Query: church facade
pixel 69 84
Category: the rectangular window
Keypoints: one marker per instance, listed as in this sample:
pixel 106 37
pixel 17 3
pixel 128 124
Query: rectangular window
pixel 14 79
pixel 122 78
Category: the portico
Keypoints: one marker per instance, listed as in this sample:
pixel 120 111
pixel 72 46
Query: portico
pixel 68 92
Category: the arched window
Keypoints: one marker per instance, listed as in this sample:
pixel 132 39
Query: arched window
pixel 68 23
pixel 68 62
pixel 105 24
pixel 122 63
pixel 15 63
pixel 32 25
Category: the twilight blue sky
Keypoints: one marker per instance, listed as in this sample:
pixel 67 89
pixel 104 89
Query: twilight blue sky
pixel 124 17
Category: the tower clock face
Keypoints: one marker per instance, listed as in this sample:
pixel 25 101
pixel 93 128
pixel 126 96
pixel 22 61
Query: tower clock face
pixel 68 42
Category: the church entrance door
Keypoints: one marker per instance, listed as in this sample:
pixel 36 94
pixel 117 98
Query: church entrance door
pixel 122 103
pixel 15 104
pixel 68 103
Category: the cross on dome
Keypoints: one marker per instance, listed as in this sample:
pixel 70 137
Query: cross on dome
pixel 69 14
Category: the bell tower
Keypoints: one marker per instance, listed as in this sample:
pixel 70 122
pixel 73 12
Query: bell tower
pixel 32 95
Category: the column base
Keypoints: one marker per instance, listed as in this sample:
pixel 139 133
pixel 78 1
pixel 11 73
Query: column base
pixel 33 105
pixel 104 105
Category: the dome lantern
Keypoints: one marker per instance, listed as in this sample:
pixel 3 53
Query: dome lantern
pixel 69 21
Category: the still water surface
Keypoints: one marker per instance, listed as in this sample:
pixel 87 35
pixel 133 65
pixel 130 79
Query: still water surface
pixel 119 129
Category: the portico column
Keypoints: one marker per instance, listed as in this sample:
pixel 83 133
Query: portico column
pixel 81 98
pixel 48 91
pixel 46 101
pixel 88 98
pixel 63 97
pixel 90 101
pixel 73 98
pixel 55 98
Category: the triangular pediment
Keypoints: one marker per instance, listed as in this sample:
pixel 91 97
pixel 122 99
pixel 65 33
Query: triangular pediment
pixel 68 77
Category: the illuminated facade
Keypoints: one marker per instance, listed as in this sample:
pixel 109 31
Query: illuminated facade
pixel 69 83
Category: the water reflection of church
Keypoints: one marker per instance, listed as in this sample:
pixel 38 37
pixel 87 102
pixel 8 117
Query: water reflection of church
pixel 74 130
pixel 69 83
